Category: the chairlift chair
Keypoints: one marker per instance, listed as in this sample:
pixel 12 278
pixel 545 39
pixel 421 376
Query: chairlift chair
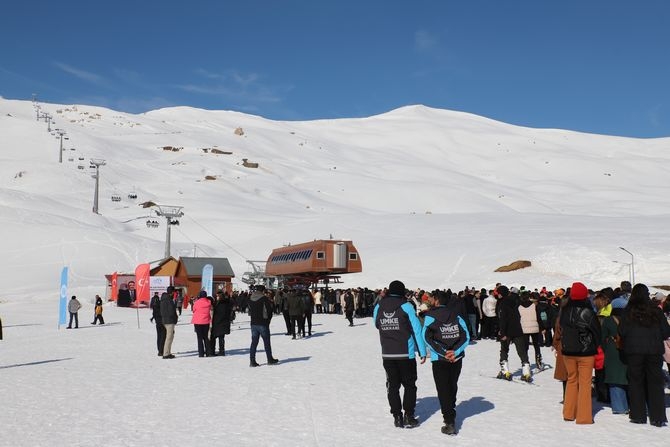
pixel 80 167
pixel 116 197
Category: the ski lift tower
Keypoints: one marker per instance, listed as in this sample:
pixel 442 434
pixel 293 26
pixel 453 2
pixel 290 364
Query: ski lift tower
pixel 97 162
pixel 171 214
pixel 60 132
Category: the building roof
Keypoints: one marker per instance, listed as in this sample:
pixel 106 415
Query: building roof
pixel 194 266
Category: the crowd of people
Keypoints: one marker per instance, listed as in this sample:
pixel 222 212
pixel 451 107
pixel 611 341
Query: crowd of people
pixel 608 344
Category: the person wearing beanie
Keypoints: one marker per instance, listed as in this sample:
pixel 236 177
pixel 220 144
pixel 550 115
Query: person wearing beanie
pixel 580 338
pixel 400 338
pixel 201 319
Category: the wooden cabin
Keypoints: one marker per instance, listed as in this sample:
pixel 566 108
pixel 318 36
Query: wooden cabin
pixel 189 274
pixel 310 262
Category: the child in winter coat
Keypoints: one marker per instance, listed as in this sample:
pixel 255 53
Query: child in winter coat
pixel 97 314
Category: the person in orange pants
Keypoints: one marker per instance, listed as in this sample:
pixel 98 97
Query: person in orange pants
pixel 577 405
pixel 580 338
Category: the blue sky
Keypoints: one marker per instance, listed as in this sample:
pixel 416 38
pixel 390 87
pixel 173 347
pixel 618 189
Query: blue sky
pixel 600 66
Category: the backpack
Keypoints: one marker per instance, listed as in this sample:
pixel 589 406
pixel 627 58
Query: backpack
pixel 616 338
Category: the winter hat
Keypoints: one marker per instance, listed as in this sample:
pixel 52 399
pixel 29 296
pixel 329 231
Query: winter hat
pixel 514 290
pixel 578 291
pixel 202 294
pixel 397 288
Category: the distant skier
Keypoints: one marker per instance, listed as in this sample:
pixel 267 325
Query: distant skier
pixel 511 332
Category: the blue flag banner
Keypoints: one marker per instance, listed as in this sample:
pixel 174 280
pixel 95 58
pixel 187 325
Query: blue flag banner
pixel 62 308
pixel 207 279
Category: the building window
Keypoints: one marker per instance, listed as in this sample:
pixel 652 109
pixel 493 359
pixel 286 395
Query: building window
pixel 353 256
pixel 320 255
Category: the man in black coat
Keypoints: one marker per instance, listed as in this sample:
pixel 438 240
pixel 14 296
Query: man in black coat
pixel 260 312
pixel 123 298
pixel 169 317
pixel 155 305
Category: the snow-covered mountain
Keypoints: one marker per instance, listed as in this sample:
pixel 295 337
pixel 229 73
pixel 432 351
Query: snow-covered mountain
pixel 432 197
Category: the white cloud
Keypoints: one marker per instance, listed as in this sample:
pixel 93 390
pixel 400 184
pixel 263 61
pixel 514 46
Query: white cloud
pixel 425 41
pixel 81 74
pixel 234 85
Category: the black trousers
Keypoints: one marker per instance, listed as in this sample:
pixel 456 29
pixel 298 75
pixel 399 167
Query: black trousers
pixel 646 387
pixel 222 344
pixel 295 321
pixel 287 319
pixel 489 327
pixel 445 375
pixel 535 341
pixel 301 325
pixel 401 372
pixel 308 319
pixel 98 319
pixel 521 345
pixel 160 337
pixel 202 333
pixel 350 316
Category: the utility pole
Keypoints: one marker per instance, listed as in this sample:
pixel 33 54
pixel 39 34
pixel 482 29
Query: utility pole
pixel 60 153
pixel 632 266
pixel 171 214
pixel 97 162
pixel 47 118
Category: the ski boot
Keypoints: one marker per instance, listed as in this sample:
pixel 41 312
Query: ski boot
pixel 504 371
pixel 525 373
pixel 538 362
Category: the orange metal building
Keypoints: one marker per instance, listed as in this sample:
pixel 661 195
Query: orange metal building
pixel 311 262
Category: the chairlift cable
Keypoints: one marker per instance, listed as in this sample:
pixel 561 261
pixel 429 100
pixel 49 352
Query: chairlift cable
pixel 216 237
pixel 200 247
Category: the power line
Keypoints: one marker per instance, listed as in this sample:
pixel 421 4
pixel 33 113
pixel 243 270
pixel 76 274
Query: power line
pixel 218 238
pixel 194 242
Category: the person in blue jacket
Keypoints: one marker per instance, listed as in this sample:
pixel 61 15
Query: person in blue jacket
pixel 400 338
pixel 446 336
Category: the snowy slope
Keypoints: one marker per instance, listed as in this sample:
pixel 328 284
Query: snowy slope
pixel 435 197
